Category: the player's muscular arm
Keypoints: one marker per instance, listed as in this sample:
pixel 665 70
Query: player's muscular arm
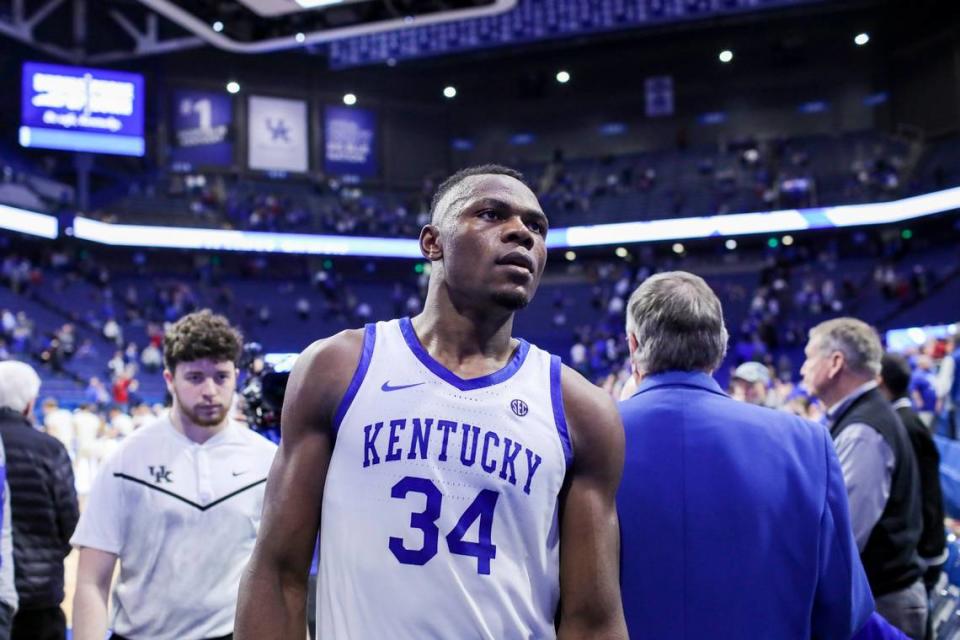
pixel 273 592
pixel 590 605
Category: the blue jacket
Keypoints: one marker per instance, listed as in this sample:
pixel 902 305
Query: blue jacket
pixel 734 520
pixel 877 628
pixel 955 384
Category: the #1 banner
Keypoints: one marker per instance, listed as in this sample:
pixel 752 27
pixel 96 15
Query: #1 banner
pixel 202 128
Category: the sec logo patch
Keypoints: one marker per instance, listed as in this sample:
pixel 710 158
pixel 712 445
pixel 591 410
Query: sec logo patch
pixel 519 407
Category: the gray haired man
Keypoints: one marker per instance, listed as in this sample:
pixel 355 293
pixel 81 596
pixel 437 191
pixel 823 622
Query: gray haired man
pixel 707 484
pixel 879 469
pixel 8 590
pixel 43 505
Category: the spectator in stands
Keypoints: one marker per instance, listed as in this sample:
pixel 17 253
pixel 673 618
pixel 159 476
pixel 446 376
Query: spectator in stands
pixel 151 358
pixel 131 353
pixel 894 382
pixel 44 506
pixel 113 332
pixel 8 589
pixel 15 271
pixel 133 394
pixel 87 425
pixel 116 364
pixel 86 350
pixel 96 393
pixel 750 383
pixel 67 337
pixel 141 415
pixel 691 451
pixel 53 355
pixel 879 467
pixel 23 333
pixel 120 422
pixel 8 322
pixel 303 308
pixel 121 390
pixel 58 422
pixel 923 391
pixel 948 389
pixel 180 561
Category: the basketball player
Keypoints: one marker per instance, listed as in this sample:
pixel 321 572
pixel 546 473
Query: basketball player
pixel 467 479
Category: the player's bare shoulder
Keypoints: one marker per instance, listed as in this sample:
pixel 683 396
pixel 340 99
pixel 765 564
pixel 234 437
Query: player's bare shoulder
pixel 321 376
pixel 592 416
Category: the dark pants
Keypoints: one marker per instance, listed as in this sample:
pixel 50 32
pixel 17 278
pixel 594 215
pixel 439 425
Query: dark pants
pixel 312 607
pixel 930 579
pixel 906 609
pixel 39 624
pixel 226 637
pixel 6 620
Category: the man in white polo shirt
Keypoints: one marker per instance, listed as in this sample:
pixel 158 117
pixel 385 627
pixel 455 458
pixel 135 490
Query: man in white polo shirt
pixel 178 504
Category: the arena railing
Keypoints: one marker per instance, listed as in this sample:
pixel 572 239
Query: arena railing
pixel 716 226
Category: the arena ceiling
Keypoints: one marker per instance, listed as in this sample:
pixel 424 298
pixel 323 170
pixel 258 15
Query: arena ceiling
pixel 104 31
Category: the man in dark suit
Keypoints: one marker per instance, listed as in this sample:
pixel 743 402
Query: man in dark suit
pixel 895 384
pixel 733 517
pixel 879 468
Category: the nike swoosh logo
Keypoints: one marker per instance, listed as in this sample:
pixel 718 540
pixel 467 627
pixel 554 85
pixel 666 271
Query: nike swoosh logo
pixel 386 386
pixel 238 473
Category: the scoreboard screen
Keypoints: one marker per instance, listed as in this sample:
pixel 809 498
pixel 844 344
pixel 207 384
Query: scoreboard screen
pixel 81 109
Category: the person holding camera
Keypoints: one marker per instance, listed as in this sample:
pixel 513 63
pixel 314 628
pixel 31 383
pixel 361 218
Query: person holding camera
pixel 178 504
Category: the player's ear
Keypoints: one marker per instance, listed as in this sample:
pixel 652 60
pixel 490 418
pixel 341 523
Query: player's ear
pixel 430 245
pixel 168 379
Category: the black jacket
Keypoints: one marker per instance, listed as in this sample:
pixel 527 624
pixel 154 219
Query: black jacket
pixel 933 540
pixel 43 506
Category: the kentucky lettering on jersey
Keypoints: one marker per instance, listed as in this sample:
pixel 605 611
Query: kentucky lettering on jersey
pixel 445 491
pixel 496 455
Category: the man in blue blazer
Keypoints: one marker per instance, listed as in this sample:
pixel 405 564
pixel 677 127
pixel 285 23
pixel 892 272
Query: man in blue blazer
pixel 733 517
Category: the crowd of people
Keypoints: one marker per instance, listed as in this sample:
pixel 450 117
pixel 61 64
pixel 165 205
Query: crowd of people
pixel 843 362
pixel 742 174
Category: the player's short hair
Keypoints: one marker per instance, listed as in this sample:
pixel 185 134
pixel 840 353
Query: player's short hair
pixel 895 373
pixel 463 174
pixel 199 335
pixel 677 320
pixel 19 385
pixel 855 339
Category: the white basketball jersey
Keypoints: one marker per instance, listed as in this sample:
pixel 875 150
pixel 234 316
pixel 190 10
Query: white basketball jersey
pixel 440 511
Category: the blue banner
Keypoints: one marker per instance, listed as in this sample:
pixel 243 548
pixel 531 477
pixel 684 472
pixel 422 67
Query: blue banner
pixel 202 129
pixel 658 91
pixel 350 142
pixel 80 109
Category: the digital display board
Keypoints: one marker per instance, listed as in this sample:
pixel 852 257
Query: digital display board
pixel 81 109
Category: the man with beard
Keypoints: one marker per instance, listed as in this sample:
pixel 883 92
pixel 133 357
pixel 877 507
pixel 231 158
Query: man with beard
pixel 463 481
pixel 178 504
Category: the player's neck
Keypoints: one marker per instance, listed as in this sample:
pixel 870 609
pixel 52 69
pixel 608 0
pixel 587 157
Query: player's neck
pixel 194 432
pixel 455 337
